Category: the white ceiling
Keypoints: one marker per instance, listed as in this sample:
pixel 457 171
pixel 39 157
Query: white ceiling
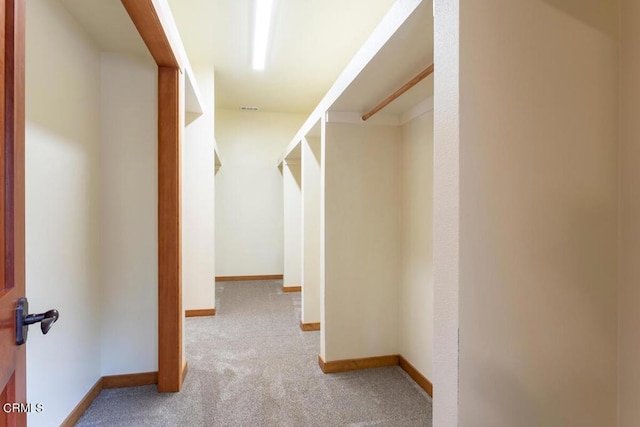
pixel 312 41
pixel 109 25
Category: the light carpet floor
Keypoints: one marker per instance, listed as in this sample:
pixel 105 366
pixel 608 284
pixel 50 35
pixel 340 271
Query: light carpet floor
pixel 251 365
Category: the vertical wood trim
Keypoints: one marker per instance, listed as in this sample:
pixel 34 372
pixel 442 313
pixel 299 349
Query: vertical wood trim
pixel 169 232
pixel 10 142
pixel 4 397
pixel 5 137
pixel 17 249
pixel 19 275
pixel 150 22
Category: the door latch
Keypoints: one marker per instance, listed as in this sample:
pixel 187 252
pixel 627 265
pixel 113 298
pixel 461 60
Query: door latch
pixel 24 319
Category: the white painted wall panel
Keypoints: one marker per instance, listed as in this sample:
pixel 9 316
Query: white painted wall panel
pixel 361 241
pixel 129 207
pixel 538 212
pixel 629 289
pixel 198 201
pixel 311 160
pixel 249 200
pixel 62 209
pixel 292 181
pixel 416 244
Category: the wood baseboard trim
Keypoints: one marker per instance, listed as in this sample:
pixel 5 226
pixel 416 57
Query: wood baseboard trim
pixel 292 289
pixel 185 369
pixel 242 278
pixel 420 379
pixel 376 362
pixel 111 381
pixel 129 380
pixel 200 312
pixel 308 327
pixel 357 364
pixel 83 405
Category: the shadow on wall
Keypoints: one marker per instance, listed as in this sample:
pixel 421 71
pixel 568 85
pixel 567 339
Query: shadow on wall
pixel 599 14
pixel 190 118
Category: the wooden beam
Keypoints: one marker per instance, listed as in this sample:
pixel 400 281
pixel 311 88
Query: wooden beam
pixel 170 313
pixel 147 20
pixel 395 95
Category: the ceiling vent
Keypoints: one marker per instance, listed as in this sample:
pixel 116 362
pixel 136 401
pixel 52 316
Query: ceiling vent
pixel 245 108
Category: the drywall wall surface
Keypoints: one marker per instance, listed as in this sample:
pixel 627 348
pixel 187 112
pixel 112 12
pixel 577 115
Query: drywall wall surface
pixel 129 207
pixel 538 213
pixel 446 212
pixel 629 289
pixel 62 209
pixel 416 243
pixel 249 200
pixel 292 181
pixel 361 241
pixel 323 242
pixel 311 160
pixel 198 201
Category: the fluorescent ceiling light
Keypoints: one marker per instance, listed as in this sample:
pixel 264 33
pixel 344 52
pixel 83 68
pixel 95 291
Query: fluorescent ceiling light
pixel 264 9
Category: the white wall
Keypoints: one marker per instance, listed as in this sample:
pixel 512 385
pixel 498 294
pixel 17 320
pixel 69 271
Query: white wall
pixel 538 212
pixel 629 290
pixel 292 254
pixel 446 212
pixel 129 207
pixel 416 243
pixel 249 203
pixel 62 211
pixel 361 247
pixel 311 160
pixel 198 202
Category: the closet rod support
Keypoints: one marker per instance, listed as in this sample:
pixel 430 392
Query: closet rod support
pixel 411 83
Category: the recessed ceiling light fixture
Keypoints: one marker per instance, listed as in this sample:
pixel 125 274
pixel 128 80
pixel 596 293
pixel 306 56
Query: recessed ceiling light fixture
pixel 262 24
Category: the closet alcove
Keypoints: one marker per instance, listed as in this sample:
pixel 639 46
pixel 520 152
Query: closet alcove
pixel 365 204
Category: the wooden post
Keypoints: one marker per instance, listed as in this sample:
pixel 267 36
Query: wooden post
pixel 169 231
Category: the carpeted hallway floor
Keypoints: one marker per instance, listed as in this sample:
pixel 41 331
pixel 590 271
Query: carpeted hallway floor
pixel 251 365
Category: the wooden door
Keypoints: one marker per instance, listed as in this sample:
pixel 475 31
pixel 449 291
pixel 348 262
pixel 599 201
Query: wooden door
pixel 12 273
